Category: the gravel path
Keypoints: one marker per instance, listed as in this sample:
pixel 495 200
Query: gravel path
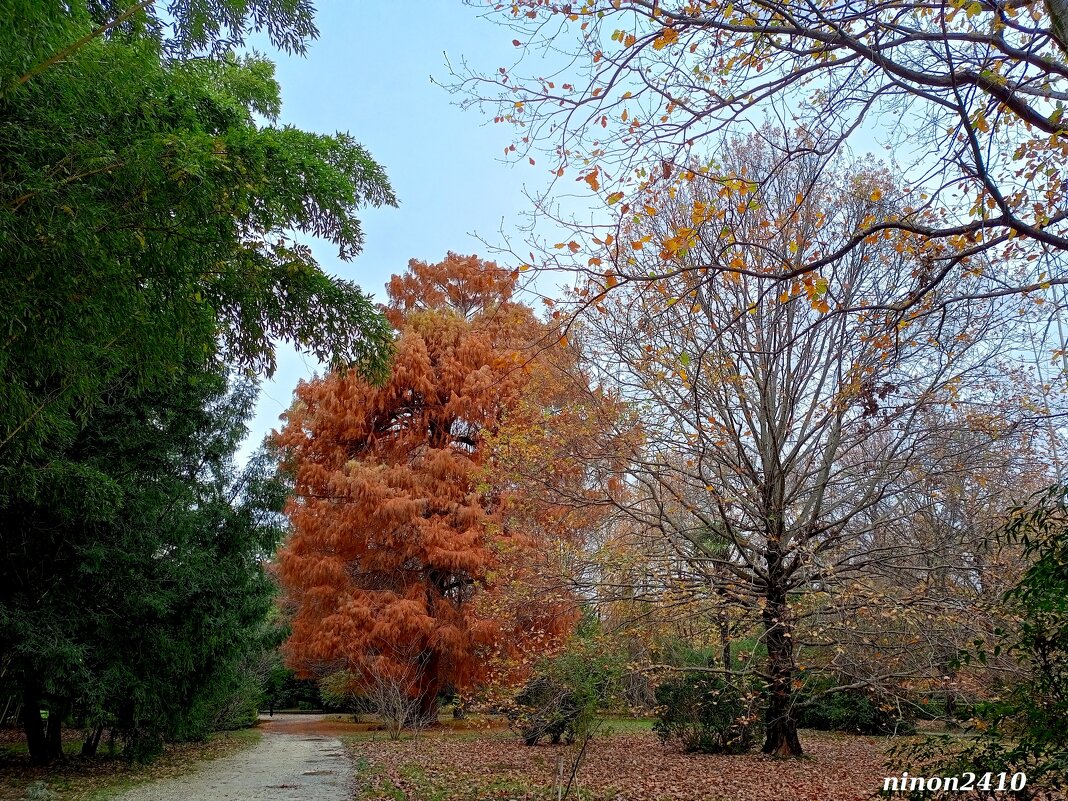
pixel 296 760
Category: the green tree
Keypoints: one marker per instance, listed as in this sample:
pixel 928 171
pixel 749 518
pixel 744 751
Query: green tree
pixel 135 607
pixel 149 209
pixel 142 205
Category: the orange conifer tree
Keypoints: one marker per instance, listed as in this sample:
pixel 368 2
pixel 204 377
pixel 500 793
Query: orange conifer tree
pixel 396 536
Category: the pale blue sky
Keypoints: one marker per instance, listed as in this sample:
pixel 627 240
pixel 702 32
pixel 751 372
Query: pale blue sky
pixel 369 74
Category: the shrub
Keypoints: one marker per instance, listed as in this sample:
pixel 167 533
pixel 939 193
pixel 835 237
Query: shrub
pixel 545 708
pixel 570 690
pixel 708 714
pixel 854 711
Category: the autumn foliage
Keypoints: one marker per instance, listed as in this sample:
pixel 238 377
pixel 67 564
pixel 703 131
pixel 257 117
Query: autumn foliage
pixel 401 556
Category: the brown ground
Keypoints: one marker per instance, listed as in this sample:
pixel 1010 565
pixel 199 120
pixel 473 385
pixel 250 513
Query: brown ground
pixel 626 767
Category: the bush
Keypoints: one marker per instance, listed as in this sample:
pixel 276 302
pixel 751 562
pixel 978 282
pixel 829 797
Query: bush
pixel 708 714
pixel 853 711
pixel 545 708
pixel 571 689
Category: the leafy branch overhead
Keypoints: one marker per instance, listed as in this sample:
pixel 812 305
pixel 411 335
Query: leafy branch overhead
pixel 967 98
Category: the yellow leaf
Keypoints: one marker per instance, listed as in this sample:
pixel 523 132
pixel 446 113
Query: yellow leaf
pixel 876 195
pixel 667 36
pixel 614 198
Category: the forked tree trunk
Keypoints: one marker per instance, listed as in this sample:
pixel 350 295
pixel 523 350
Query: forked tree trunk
pixel 92 742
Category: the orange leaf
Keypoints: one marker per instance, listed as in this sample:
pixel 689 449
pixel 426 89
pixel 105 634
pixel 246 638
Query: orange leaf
pixel 667 36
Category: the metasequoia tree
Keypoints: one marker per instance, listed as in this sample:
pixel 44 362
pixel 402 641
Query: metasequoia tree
pixel 779 441
pixel 968 96
pixel 397 539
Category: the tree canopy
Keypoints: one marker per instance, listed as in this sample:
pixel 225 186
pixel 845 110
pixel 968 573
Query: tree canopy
pixel 968 98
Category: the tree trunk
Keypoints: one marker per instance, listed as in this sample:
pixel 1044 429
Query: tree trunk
pixel 725 643
pixel 34 727
pixel 54 734
pixel 428 706
pixel 430 685
pixel 781 739
pixel 92 742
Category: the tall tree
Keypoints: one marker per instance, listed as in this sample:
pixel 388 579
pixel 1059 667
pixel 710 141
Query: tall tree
pixel 396 542
pixel 148 201
pixel 131 607
pixel 781 446
pixel 141 204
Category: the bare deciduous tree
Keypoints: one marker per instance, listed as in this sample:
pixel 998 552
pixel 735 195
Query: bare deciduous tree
pixel 788 451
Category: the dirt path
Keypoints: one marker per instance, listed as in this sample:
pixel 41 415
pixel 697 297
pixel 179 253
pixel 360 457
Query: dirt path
pixel 298 758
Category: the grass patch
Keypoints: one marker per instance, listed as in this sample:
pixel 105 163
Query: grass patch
pixel 625 725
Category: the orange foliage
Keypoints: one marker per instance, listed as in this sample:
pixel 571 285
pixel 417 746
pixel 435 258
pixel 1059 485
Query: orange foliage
pixel 400 557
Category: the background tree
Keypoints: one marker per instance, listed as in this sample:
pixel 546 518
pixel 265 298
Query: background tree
pixel 394 537
pixel 1020 726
